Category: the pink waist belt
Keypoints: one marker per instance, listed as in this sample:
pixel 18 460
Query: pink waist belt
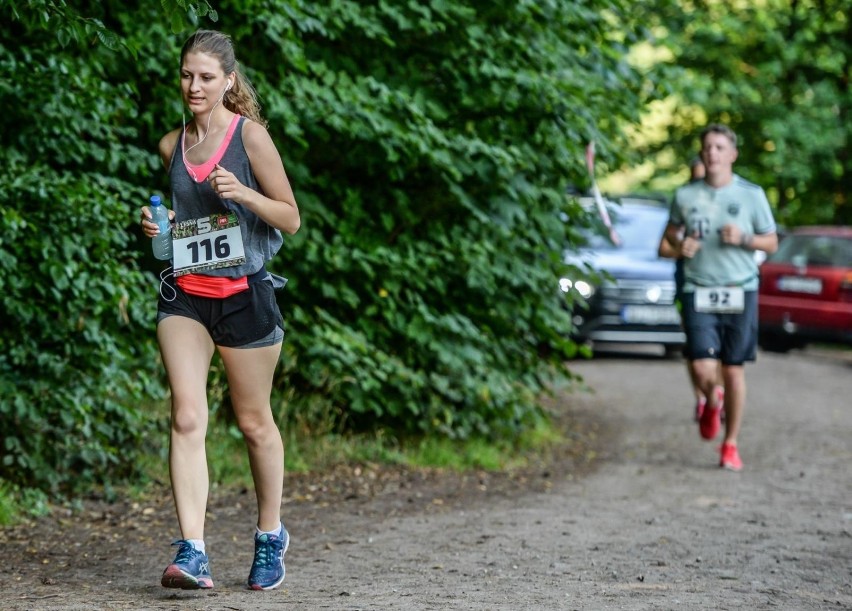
pixel 215 287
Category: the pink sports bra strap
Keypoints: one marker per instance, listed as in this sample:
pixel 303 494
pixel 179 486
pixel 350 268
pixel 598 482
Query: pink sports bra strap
pixel 199 173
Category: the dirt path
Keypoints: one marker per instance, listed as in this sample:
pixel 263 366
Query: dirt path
pixel 657 525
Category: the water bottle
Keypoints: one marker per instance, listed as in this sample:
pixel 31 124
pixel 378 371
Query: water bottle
pixel 162 242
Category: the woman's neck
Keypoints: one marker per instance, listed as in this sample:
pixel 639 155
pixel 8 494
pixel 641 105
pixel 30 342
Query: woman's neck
pixel 219 119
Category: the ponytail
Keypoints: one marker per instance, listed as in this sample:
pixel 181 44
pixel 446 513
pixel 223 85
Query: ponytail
pixel 242 98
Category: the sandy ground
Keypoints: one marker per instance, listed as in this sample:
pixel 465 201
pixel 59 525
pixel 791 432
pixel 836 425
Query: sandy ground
pixel 654 525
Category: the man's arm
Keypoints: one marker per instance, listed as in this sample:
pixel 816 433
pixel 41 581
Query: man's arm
pixel 767 242
pixel 734 236
pixel 672 236
pixel 666 248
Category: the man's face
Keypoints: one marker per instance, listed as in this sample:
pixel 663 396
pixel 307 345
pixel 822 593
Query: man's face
pixel 718 154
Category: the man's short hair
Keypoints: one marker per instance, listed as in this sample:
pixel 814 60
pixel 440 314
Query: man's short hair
pixel 718 128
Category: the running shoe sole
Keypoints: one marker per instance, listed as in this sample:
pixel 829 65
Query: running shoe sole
pixel 174 577
pixel 257 586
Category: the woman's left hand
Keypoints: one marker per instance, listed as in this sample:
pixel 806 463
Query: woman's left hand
pixel 226 185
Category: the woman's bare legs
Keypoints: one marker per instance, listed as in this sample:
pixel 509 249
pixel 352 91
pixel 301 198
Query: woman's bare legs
pixel 250 373
pixel 187 349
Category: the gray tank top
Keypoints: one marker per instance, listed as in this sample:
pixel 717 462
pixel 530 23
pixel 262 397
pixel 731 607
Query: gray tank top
pixel 192 200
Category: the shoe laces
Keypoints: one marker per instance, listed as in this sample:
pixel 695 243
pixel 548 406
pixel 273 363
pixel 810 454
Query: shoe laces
pixel 186 551
pixel 265 552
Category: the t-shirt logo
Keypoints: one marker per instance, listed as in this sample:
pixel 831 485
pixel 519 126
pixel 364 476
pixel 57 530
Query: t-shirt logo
pixel 734 209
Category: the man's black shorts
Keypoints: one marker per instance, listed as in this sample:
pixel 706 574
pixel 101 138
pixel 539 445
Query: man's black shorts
pixel 732 338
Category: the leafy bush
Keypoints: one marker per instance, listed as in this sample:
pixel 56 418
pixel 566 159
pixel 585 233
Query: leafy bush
pixel 75 373
pixel 430 146
pixel 432 161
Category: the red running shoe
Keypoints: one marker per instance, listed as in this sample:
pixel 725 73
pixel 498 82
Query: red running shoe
pixel 700 404
pixel 730 458
pixel 711 420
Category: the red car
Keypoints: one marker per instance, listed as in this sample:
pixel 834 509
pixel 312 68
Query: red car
pixel 806 289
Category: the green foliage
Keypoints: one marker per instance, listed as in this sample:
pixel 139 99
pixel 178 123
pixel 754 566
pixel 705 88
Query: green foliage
pixel 75 368
pixel 67 368
pixel 778 73
pixel 76 24
pixel 18 505
pixel 430 161
pixel 429 145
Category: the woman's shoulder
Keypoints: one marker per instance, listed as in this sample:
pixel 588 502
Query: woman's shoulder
pixel 256 138
pixel 168 143
pixel 252 130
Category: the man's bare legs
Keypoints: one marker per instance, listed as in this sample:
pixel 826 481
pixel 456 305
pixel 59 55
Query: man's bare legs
pixel 701 398
pixel 706 372
pixel 735 398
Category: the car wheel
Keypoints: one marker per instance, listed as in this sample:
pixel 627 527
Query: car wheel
pixel 673 351
pixel 772 342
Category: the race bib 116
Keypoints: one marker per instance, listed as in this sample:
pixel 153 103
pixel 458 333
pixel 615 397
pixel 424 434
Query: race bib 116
pixel 209 242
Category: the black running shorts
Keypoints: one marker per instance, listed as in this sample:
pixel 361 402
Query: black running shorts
pixel 731 338
pixel 233 322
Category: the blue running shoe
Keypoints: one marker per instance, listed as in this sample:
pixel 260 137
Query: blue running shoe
pixel 189 571
pixel 267 570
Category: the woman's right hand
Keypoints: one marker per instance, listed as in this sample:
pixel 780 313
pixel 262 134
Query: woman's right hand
pixel 149 227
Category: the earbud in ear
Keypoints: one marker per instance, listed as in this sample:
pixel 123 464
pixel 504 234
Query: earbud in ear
pixel 228 86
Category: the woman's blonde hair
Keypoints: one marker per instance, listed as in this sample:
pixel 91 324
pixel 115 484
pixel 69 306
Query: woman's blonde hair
pixel 241 98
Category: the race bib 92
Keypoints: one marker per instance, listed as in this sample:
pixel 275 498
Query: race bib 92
pixel 719 299
pixel 209 242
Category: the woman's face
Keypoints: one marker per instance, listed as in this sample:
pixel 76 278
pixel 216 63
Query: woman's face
pixel 202 81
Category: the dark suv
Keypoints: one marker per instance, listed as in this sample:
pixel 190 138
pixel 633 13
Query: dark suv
pixel 629 295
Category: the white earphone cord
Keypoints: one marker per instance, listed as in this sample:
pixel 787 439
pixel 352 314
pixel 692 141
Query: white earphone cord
pixel 184 150
pixel 169 271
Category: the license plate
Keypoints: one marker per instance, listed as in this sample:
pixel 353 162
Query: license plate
pixel 719 299
pixel 650 315
pixel 800 284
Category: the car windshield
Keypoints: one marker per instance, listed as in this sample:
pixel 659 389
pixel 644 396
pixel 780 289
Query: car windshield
pixel 814 250
pixel 638 228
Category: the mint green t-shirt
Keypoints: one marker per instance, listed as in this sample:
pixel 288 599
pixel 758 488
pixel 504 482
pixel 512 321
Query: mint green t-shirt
pixel 703 210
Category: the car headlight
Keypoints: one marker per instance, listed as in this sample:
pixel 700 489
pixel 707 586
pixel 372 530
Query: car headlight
pixel 585 289
pixel 653 293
